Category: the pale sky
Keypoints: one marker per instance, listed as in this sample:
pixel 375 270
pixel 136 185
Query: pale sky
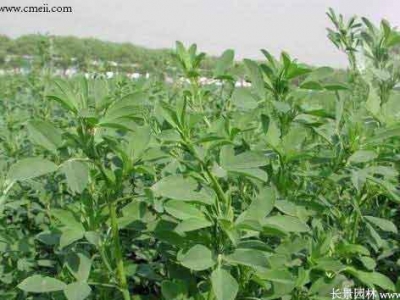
pixel 296 26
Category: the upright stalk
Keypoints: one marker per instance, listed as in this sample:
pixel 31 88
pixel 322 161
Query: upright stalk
pixel 118 252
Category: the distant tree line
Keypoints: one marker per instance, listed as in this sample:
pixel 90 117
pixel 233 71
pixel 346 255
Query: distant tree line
pixel 89 54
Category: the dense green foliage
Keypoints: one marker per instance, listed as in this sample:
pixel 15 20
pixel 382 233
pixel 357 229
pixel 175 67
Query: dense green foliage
pixel 118 189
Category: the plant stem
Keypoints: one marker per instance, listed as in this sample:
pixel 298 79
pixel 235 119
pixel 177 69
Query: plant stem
pixel 118 253
pixel 355 228
pixel 218 189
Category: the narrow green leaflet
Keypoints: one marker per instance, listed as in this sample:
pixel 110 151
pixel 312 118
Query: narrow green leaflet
pixel 287 223
pixel 77 174
pixel 64 94
pixel 383 224
pixel 41 284
pixel 68 219
pixel 197 258
pixel 224 286
pixel 373 279
pixel 277 275
pixel 245 160
pixel 77 291
pixel 138 142
pixel 261 205
pixel 127 108
pixel 255 76
pixel 384 134
pixel 192 224
pixel 69 236
pixel 182 210
pixel 251 173
pixel 362 156
pixel 44 134
pixel 79 265
pixel 248 257
pixel 29 168
pixel 178 187
pixel 244 100
pixel 224 63
pixel 368 262
pixel 274 134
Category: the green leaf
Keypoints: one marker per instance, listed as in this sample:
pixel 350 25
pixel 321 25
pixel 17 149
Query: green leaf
pixel 324 285
pixel 68 219
pixel 248 257
pixel 261 205
pixel 93 238
pixel 243 99
pixel 173 290
pixel 296 70
pixel 224 63
pixel 251 173
pixel 79 265
pixel 277 275
pixel 376 238
pixel 224 285
pixel 265 120
pixel 41 284
pixel 293 140
pixel 282 281
pixel 353 248
pixel 329 264
pixel 362 156
pixel 178 187
pixel 390 190
pixel 198 258
pixel 77 291
pixel 44 134
pixel 385 225
pixel 256 78
pixel 287 223
pixel 336 86
pixel 72 231
pixel 129 107
pixel 368 262
pixel 373 103
pixel 29 168
pixel 320 73
pixel 192 225
pixel 287 207
pixel 311 85
pixel 138 142
pixel 182 210
pixel 373 279
pixel 77 174
pixel 383 134
pixel 64 95
pixel 69 236
pixel 245 160
pixel 274 134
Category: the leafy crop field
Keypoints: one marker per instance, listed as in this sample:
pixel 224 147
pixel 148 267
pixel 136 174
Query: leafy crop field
pixel 288 189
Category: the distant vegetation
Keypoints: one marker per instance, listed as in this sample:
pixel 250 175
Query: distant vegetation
pixel 89 54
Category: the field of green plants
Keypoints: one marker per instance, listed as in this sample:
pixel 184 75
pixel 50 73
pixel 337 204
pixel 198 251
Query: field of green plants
pixel 288 189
